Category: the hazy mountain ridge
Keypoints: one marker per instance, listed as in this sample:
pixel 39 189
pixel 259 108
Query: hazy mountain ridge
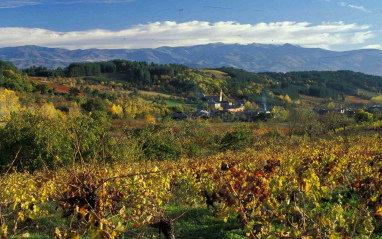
pixel 253 57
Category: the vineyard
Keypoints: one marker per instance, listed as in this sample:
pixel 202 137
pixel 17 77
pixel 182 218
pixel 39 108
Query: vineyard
pixel 277 188
pixel 97 159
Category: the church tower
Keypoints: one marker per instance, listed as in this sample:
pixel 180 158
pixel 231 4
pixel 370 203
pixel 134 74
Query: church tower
pixel 221 95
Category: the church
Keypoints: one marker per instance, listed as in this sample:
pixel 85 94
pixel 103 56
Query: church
pixel 215 102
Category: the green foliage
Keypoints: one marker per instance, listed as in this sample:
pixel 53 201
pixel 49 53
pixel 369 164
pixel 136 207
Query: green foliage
pixel 94 104
pixel 236 83
pixel 38 141
pixel 44 88
pixel 12 80
pixel 83 69
pixel 6 65
pixel 362 116
pixel 240 138
pixel 74 91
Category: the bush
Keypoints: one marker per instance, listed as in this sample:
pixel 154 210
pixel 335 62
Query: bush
pixel 362 116
pixel 41 142
pixel 238 139
pixel 160 149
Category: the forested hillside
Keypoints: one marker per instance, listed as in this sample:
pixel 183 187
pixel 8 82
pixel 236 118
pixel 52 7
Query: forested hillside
pixel 240 84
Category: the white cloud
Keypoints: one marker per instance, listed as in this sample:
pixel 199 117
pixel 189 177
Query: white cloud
pixel 361 8
pixel 376 46
pixel 171 33
pixel 21 3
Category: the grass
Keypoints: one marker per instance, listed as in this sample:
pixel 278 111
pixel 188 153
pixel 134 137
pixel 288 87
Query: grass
pixel 171 103
pixel 42 227
pixel 368 94
pixel 200 223
pixel 356 101
pixel 217 73
pixel 311 101
pixel 196 223
pixel 153 93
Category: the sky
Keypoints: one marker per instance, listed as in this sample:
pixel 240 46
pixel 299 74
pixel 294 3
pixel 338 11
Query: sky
pixel 131 24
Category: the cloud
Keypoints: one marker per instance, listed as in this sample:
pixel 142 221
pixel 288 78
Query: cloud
pixel 361 8
pixel 22 3
pixel 376 46
pixel 169 33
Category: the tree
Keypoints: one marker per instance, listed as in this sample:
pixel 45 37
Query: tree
pixel 377 100
pixel 311 124
pixel 116 110
pixel 301 120
pixel 9 102
pixel 362 116
pixel 74 91
pixel 280 113
pixel 287 98
pixel 43 88
pixel 333 120
pixel 149 119
pixel 48 111
pixel 94 104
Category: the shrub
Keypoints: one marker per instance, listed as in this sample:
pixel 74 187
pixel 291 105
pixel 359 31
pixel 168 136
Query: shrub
pixel 238 139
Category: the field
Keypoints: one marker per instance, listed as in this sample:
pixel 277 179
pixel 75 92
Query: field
pixel 217 73
pixel 356 101
pixel 57 87
pixel 272 187
pixel 100 164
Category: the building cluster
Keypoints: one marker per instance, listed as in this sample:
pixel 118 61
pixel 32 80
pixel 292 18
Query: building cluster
pixel 322 111
pixel 214 106
pixel 375 107
pixel 216 103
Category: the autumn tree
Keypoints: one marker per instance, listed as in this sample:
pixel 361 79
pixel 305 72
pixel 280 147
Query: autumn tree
pixel 9 102
pixel 116 111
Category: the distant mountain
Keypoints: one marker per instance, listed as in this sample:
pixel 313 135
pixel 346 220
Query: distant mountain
pixel 254 57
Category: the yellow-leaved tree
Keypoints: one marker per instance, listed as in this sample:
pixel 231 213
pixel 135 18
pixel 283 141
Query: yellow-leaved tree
pixel 9 102
pixel 48 111
pixel 117 111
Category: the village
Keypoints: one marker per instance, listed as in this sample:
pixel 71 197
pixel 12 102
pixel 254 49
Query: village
pixel 215 106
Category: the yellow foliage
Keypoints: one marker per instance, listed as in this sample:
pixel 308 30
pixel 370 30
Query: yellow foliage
pixel 9 73
pixel 116 110
pixel 9 102
pixel 287 98
pixel 149 118
pixel 377 100
pixel 75 110
pixel 48 111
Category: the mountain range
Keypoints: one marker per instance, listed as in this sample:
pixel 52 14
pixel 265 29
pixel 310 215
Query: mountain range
pixel 252 57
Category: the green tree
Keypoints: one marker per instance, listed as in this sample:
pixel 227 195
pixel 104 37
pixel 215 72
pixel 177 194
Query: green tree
pixel 94 104
pixel 362 116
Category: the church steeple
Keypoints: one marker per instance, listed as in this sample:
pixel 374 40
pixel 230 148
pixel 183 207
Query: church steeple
pixel 221 95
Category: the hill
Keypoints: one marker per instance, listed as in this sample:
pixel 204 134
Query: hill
pixel 238 84
pixel 253 57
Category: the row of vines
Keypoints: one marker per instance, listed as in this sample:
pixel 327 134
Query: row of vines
pixel 324 189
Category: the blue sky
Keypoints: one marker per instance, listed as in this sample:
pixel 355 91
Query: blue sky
pixel 81 24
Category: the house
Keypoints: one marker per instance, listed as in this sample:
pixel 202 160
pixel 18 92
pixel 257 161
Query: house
pixel 204 114
pixel 216 98
pixel 322 111
pixel 225 103
pixel 212 105
pixel 234 108
pixel 215 102
pixel 375 107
